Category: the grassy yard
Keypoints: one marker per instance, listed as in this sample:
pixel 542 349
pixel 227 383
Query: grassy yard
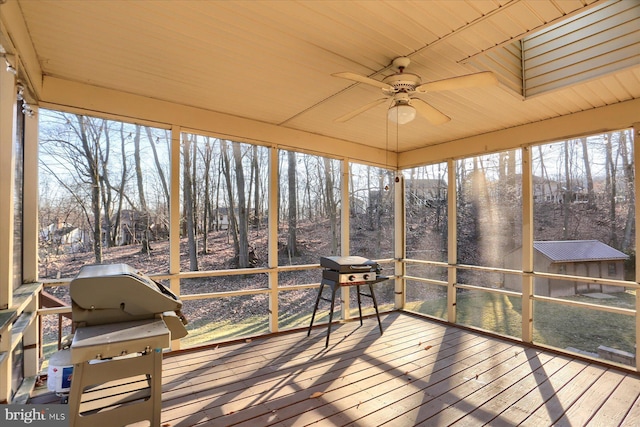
pixel 201 331
pixel 554 325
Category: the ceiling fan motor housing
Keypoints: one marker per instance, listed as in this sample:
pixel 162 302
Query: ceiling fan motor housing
pixel 403 82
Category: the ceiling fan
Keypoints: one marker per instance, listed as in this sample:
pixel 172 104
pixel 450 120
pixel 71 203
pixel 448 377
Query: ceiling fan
pixel 401 88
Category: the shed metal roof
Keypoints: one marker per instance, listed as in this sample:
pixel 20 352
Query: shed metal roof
pixel 578 250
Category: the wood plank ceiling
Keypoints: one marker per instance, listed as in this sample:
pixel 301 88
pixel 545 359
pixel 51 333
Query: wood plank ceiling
pixel 271 61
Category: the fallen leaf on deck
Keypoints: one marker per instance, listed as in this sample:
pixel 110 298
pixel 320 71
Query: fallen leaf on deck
pixel 428 347
pixel 316 394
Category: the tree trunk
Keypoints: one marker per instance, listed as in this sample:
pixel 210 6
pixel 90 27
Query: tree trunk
pixel 331 207
pixel 379 201
pixel 94 175
pixel 105 187
pixel 217 203
pixel 308 205
pixel 370 202
pixel 163 180
pixel 591 199
pixel 545 175
pixel 256 192
pixel 611 184
pixel 188 203
pixel 138 165
pixel 144 214
pixel 567 194
pixel 231 209
pixel 243 220
pixel 629 175
pixel 292 247
pixel 123 180
pixel 207 156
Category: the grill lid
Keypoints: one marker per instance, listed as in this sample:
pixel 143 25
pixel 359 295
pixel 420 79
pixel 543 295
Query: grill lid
pixel 348 264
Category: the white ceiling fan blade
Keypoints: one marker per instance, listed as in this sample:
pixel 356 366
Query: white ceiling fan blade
pixel 363 79
pixel 360 110
pixel 428 112
pixel 485 78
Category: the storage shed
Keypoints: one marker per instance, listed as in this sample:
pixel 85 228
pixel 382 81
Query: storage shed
pixel 590 258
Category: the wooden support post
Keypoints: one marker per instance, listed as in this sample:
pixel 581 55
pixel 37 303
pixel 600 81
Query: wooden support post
pixel 452 245
pixel 7 178
pixel 400 241
pixel 344 233
pixel 273 239
pixel 636 160
pixel 174 217
pixel 527 246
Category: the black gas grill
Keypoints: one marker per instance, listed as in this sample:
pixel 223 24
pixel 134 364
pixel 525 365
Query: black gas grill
pixel 347 271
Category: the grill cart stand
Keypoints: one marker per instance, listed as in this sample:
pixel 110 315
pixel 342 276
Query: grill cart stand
pixel 334 287
pixel 347 271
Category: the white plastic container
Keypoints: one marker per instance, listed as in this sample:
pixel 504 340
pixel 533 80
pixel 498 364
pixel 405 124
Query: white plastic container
pixel 60 371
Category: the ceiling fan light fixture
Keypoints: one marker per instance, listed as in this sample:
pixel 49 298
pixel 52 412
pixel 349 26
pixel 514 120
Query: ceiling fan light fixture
pixel 401 113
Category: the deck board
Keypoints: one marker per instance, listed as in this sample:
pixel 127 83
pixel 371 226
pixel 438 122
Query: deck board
pixel 419 372
pixel 617 405
pixel 564 397
pixel 503 400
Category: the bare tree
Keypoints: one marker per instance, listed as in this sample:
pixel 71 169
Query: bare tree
pixel 144 209
pixel 611 185
pixel 629 177
pixel 331 205
pixel 105 187
pixel 255 168
pixel 238 222
pixel 123 180
pixel 188 201
pixel 226 171
pixel 544 174
pixel 243 217
pixel 207 157
pixel 587 169
pixel 308 204
pixel 292 248
pixel 90 148
pixel 568 194
pixel 159 167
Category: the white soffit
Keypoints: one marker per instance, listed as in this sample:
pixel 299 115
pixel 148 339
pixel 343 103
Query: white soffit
pixel 596 43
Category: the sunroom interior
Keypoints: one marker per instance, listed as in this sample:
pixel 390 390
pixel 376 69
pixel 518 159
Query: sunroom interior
pixel 523 118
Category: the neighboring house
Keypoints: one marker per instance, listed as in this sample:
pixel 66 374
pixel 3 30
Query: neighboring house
pixel 590 258
pixel 65 237
pixel 221 221
pixel 426 192
pixel 545 190
pixel 133 225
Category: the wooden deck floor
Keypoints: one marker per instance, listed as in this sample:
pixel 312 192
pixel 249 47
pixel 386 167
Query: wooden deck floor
pixel 418 372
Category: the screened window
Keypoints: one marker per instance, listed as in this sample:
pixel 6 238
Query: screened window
pixel 103 194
